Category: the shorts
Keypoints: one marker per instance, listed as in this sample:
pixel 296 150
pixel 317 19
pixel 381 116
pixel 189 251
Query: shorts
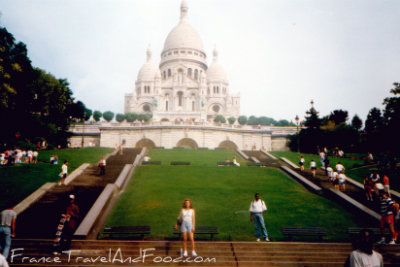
pixel 336 182
pixel 186 227
pixel 301 163
pixel 387 188
pixel 368 188
pixel 313 168
pixel 64 176
pixel 386 220
pixel 342 182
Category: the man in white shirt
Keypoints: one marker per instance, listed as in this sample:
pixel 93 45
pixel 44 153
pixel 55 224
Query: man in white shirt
pixel 8 219
pixel 3 261
pixel 364 255
pixel 339 167
pixel 64 172
pixel 257 208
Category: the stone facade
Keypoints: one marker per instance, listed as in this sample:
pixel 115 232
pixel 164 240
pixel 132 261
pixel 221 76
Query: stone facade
pixel 167 135
pixel 183 87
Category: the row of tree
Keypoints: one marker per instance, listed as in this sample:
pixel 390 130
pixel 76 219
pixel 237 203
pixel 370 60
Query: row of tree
pixel 34 105
pixel 119 117
pixel 253 120
pixel 378 135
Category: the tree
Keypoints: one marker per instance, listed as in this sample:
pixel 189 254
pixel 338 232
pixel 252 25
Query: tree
pixel 266 120
pixel 144 117
pixel 312 120
pixel 253 120
pixel 282 123
pixel 97 115
pixel 120 117
pixel 374 121
pixel 108 116
pixel 88 114
pixel 338 116
pixel 220 119
pixel 242 120
pixel 76 110
pixel 356 122
pixel 231 120
pixel 131 117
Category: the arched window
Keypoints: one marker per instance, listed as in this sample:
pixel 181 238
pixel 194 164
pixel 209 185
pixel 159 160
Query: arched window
pixel 166 105
pixel 169 72
pixel 180 76
pixel 180 99
pixel 190 72
pixel 165 75
pixel 196 74
pixel 192 105
pixel 217 89
pixel 208 90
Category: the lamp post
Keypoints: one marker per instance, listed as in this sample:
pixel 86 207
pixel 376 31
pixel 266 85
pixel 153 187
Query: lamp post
pixel 298 135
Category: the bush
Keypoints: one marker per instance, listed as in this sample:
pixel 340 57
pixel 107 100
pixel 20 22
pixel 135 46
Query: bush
pixel 131 117
pixel 108 115
pixel 97 115
pixel 242 120
pixel 219 118
pixel 120 117
pixel 231 120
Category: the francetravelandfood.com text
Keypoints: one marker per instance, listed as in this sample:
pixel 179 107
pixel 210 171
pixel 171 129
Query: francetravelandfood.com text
pixel 112 256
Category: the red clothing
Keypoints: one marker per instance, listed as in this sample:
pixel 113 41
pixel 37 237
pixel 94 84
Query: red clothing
pixel 385 180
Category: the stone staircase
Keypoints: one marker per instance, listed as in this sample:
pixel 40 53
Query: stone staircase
pixel 164 253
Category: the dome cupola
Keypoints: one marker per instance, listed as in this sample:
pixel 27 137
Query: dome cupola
pixel 149 71
pixel 216 72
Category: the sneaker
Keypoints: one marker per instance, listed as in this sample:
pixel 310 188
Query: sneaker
pixel 382 241
pixel 267 239
pixel 392 242
pixel 185 253
pixel 194 254
pixel 258 240
pixel 56 253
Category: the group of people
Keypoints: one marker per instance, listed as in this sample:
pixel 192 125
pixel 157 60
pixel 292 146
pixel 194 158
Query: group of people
pixel 336 176
pixel 18 156
pixel 374 182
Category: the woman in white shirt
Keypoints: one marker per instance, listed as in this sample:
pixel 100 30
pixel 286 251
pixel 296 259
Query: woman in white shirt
pixel 187 217
pixel 313 167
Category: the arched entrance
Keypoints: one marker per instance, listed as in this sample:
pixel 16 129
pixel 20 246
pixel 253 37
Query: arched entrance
pixel 228 145
pixel 187 143
pixel 145 143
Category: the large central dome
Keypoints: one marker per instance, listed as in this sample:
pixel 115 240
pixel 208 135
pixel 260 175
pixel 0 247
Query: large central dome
pixel 183 35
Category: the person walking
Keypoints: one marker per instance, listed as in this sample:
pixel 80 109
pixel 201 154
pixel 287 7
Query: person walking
pixel 188 218
pixel 64 173
pixel 71 216
pixel 8 218
pixel 257 209
pixel 102 166
pixel 313 167
pixel 385 181
pixel 301 163
pixel 386 211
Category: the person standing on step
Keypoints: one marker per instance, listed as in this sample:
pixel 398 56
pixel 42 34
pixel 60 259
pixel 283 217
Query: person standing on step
pixel 188 218
pixel 8 218
pixel 64 173
pixel 257 209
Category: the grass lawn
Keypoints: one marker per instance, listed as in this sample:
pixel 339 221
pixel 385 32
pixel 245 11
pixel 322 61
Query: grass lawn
pixel 221 197
pixel 17 182
pixel 294 157
pixel 198 157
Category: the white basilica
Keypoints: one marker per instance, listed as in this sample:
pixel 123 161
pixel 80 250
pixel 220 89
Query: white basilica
pixel 184 87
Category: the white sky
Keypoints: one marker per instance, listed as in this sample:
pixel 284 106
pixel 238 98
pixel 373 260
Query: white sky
pixel 279 54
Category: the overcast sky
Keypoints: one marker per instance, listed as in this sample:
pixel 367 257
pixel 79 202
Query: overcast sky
pixel 278 54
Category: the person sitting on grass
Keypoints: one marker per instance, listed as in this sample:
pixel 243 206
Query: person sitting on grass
pixel 313 167
pixel 235 162
pixel 188 225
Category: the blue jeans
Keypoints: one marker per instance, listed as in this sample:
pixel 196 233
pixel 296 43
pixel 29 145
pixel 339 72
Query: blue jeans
pixel 5 240
pixel 259 222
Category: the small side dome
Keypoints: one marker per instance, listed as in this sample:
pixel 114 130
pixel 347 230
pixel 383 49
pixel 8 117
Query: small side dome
pixel 148 72
pixel 216 72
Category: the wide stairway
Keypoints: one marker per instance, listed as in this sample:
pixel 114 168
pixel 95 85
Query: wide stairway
pixel 161 253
